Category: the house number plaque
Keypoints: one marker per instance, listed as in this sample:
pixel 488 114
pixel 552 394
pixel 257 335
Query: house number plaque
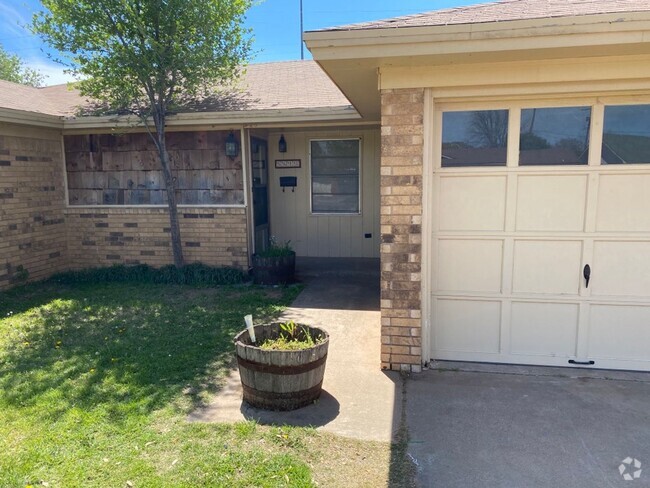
pixel 287 163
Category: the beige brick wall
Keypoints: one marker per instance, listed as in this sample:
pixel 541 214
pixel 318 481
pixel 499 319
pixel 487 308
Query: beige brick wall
pixel 402 147
pixel 105 236
pixel 41 235
pixel 32 194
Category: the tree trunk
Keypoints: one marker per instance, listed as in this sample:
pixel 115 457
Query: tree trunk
pixel 177 247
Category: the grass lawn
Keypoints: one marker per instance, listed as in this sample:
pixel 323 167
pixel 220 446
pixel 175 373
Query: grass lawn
pixel 96 381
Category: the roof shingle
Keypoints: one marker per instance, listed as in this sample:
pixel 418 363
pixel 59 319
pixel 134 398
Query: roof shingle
pixel 265 86
pixel 503 11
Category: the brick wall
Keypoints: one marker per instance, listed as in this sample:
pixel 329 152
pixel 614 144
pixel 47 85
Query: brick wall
pixel 40 236
pixel 401 228
pixel 32 194
pixel 101 236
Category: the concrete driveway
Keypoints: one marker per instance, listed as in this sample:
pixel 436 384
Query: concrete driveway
pixel 509 426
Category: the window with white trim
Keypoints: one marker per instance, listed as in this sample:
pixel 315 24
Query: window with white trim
pixel 554 136
pixel 474 138
pixel 335 176
pixel 626 134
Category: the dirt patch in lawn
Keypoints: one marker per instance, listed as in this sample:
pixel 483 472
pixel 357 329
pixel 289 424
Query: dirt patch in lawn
pixel 337 461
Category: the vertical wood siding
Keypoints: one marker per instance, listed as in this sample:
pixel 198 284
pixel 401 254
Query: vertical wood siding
pixel 324 235
pixel 123 169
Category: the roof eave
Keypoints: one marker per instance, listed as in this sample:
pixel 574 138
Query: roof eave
pixel 223 119
pixel 339 41
pixel 354 55
pixel 33 119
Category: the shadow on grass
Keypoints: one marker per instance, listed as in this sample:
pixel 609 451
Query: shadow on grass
pixel 123 348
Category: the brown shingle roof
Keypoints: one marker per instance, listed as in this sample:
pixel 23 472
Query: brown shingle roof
pixel 502 11
pixel 266 86
pixel 28 99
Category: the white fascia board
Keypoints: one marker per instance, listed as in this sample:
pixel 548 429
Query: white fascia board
pixel 224 119
pixel 33 119
pixel 383 42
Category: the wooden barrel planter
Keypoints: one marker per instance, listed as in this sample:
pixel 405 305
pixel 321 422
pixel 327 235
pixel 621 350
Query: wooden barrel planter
pixel 276 379
pixel 274 270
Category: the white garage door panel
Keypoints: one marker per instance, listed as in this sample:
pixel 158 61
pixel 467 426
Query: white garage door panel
pixel 621 269
pixel 470 203
pixel 547 267
pixel 470 265
pixel 470 325
pixel 544 329
pixel 619 332
pixel 508 252
pixel 623 203
pixel 551 203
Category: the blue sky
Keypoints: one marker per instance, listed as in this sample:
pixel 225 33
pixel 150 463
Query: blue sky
pixel 275 24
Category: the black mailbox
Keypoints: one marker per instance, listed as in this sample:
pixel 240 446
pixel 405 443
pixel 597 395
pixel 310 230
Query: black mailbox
pixel 289 182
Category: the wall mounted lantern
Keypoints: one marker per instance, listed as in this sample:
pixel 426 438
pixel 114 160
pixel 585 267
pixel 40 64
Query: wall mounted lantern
pixel 232 148
pixel 282 145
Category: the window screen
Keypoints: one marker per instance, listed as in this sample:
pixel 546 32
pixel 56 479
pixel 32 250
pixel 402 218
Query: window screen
pixel 335 176
pixel 626 135
pixel 474 138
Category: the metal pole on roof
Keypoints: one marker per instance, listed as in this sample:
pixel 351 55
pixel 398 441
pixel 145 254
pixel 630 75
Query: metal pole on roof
pixel 302 43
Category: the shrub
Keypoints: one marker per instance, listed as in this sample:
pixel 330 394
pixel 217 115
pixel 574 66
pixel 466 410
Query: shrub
pixel 196 274
pixel 276 249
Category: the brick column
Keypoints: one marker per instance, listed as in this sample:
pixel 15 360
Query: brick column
pixel 402 145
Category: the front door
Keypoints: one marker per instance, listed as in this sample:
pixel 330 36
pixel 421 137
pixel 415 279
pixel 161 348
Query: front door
pixel 260 191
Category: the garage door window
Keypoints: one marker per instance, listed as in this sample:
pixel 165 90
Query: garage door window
pixel 335 172
pixel 554 136
pixel 626 135
pixel 474 138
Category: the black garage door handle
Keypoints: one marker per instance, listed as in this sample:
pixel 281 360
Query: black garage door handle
pixel 582 363
pixel 587 274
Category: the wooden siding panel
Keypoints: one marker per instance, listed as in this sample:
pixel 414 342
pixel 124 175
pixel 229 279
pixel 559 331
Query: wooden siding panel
pixel 324 235
pixel 124 169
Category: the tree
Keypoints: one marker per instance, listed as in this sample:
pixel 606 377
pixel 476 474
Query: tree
pixel 13 69
pixel 530 141
pixel 145 57
pixel 490 127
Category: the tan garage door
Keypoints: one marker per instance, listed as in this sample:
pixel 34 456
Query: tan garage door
pixel 509 250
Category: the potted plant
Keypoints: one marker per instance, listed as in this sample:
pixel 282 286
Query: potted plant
pixel 281 365
pixel 276 265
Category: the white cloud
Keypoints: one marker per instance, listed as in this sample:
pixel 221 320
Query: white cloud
pixel 12 19
pixel 53 72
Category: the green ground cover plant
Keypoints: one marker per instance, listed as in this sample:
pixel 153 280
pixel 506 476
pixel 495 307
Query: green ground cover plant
pixel 292 337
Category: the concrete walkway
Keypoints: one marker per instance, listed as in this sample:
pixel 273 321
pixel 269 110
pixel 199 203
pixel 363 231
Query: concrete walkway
pixel 359 400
